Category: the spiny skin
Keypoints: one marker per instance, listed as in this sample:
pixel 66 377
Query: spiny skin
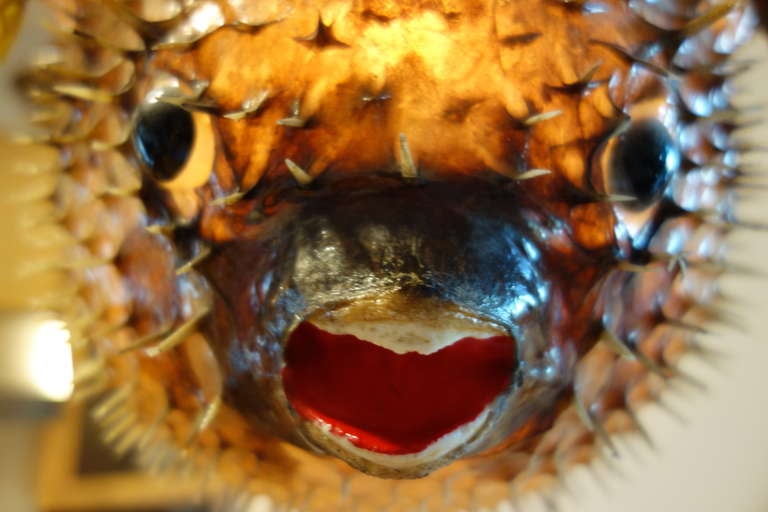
pixel 308 98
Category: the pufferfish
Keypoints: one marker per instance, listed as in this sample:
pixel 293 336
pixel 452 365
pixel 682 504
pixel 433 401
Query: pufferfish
pixel 359 254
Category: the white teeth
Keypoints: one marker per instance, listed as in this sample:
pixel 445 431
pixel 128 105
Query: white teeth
pixel 454 439
pixel 401 336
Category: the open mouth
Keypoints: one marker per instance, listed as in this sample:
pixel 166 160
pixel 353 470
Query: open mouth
pixel 392 403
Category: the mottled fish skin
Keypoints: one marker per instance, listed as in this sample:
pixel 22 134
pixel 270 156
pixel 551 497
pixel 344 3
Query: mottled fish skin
pixel 520 104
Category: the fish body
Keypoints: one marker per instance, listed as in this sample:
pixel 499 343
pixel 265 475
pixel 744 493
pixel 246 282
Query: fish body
pixel 368 254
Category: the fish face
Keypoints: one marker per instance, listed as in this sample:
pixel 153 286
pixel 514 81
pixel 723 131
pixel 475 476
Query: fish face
pixel 400 275
pixel 423 238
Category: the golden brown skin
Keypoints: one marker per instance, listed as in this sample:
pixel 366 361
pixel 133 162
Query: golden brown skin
pixel 301 97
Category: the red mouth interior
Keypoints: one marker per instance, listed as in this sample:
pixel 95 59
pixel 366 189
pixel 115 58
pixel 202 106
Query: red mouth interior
pixel 393 403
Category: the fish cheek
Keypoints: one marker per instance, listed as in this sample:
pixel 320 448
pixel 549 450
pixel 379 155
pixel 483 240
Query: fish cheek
pixel 146 262
pixel 244 329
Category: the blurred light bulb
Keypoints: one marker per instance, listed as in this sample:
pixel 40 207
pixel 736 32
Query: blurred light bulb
pixel 49 360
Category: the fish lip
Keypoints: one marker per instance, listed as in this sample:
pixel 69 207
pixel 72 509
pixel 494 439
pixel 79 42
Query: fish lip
pixel 407 466
pixel 402 324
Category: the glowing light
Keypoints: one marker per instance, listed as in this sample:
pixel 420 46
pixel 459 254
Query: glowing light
pixel 261 503
pixel 49 360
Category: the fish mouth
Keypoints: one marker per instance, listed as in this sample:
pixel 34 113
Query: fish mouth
pixel 396 392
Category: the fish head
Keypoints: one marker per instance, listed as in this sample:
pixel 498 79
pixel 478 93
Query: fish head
pixel 403 234
pixel 408 248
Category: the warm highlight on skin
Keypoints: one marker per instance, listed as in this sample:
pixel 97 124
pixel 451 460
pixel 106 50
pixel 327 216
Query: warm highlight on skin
pixel 318 108
pixel 468 74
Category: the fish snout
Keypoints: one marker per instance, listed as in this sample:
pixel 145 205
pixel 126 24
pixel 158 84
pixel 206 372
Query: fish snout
pixel 395 333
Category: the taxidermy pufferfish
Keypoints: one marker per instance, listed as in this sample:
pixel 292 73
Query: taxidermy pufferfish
pixel 359 254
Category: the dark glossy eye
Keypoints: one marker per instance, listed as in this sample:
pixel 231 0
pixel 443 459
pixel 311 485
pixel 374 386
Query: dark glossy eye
pixel 163 136
pixel 641 162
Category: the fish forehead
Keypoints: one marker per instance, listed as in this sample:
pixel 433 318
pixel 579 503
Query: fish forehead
pixel 474 73
pixel 368 75
pixel 449 90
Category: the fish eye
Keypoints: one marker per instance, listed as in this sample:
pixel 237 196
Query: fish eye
pixel 174 145
pixel 639 163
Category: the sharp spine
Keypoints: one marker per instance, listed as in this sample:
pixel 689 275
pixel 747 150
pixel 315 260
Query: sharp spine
pixel 114 400
pixel 250 107
pixel 228 200
pixel 295 120
pixel 302 177
pixel 544 116
pixel 178 336
pixel 200 256
pixel 532 173
pixel 617 345
pixel 407 166
pixel 84 92
pixel 706 19
pixel 591 423
pixel 204 419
